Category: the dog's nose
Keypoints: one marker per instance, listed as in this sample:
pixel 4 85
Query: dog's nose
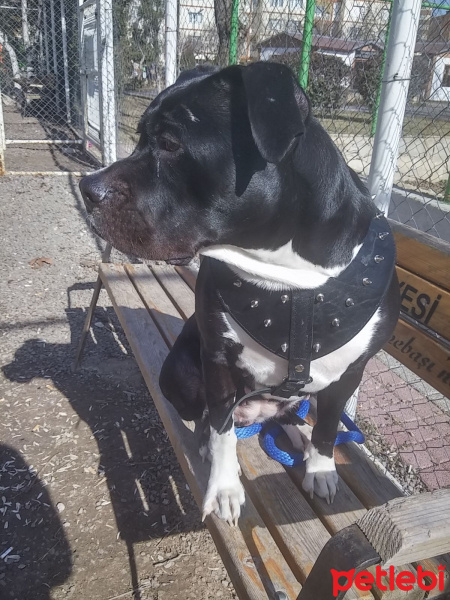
pixel 93 190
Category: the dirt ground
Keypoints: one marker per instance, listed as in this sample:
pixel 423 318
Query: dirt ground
pixel 92 501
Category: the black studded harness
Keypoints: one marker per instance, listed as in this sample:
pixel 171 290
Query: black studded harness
pixel 302 325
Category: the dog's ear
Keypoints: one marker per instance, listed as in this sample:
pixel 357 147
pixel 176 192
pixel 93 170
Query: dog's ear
pixel 277 108
pixel 198 72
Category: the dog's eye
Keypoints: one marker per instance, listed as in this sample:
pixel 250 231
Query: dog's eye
pixel 168 144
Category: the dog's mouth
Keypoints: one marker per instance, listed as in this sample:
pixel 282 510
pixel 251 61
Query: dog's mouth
pixel 179 261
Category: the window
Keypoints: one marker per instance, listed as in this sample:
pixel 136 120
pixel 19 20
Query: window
pixel 276 24
pixel 195 18
pixel 446 76
pixel 276 3
pixel 294 4
pixel 293 27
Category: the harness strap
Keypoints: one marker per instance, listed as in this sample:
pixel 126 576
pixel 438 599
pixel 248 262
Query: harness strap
pixel 300 343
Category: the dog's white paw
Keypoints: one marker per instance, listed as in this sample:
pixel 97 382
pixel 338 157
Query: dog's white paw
pixel 225 500
pixel 321 476
pixel 300 435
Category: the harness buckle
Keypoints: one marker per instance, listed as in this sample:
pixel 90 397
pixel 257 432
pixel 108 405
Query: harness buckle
pixel 290 387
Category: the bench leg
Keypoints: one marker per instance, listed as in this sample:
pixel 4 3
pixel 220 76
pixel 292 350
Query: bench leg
pixel 87 323
pixel 346 550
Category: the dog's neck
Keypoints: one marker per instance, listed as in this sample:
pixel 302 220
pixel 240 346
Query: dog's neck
pixel 333 216
pixel 275 269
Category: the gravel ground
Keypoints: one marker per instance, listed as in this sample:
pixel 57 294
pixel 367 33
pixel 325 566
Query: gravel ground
pixel 92 501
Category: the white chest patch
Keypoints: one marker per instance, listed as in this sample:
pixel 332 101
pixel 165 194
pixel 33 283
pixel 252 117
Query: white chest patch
pixel 275 269
pixel 269 369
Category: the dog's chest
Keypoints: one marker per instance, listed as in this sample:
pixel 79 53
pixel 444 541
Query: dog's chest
pixel 268 369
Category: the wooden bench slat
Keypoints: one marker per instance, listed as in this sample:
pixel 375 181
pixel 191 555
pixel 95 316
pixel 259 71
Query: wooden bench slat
pixel 161 308
pixel 345 510
pixel 422 354
pixel 177 290
pixel 150 350
pixel 434 308
pixel 278 500
pixel 365 480
pixel 422 254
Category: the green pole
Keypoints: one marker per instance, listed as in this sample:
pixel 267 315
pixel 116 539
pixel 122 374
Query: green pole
pixel 307 43
pixel 376 106
pixel 234 31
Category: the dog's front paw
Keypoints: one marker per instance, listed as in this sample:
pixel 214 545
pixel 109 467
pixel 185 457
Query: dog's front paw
pixel 225 500
pixel 320 476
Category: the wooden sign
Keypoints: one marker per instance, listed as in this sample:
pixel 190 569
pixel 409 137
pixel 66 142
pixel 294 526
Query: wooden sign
pixel 425 302
pixel 422 354
pixel 422 254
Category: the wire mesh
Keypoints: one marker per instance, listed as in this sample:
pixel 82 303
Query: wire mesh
pixel 40 85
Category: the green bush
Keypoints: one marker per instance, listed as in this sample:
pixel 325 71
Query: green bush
pixel 326 81
pixel 367 79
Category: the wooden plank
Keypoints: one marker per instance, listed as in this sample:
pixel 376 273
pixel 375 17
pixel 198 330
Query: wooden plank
pixel 409 529
pixel 422 354
pixel 159 305
pixel 396 594
pixel 422 254
pixel 256 568
pixel 432 564
pixel 294 526
pixel 177 290
pixel 425 302
pixel 345 510
pixel 189 275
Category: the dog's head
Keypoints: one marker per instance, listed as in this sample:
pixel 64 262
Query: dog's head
pixel 209 166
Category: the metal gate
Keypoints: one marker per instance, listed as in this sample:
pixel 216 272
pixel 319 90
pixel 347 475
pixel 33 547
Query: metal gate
pixel 97 79
pixel 57 110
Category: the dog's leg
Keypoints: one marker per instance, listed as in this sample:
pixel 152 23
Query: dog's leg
pixel 181 378
pixel 225 493
pixel 321 476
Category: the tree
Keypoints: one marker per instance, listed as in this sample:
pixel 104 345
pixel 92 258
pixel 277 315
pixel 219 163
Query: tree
pixel 326 82
pixel 222 15
pixel 367 79
pixel 137 31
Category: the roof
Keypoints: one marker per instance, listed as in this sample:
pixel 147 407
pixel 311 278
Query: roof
pixel 323 42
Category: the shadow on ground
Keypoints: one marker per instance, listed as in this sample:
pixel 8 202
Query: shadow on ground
pixel 147 490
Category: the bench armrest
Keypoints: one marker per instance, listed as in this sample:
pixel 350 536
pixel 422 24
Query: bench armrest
pixel 409 529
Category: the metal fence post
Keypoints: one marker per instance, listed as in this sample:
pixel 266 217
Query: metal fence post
pixel 108 102
pixel 55 58
pixel 380 85
pixel 171 41
pixel 66 64
pixel 234 33
pixel 400 53
pixel 2 137
pixel 307 43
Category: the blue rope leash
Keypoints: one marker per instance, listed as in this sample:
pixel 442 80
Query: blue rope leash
pixel 290 460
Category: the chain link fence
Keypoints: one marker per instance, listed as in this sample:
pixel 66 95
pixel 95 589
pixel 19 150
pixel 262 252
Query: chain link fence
pixel 40 85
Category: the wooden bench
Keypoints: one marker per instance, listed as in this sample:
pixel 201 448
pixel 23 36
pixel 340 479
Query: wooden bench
pixel 286 543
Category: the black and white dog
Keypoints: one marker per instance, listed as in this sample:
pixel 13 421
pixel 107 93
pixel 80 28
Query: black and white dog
pixel 296 289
